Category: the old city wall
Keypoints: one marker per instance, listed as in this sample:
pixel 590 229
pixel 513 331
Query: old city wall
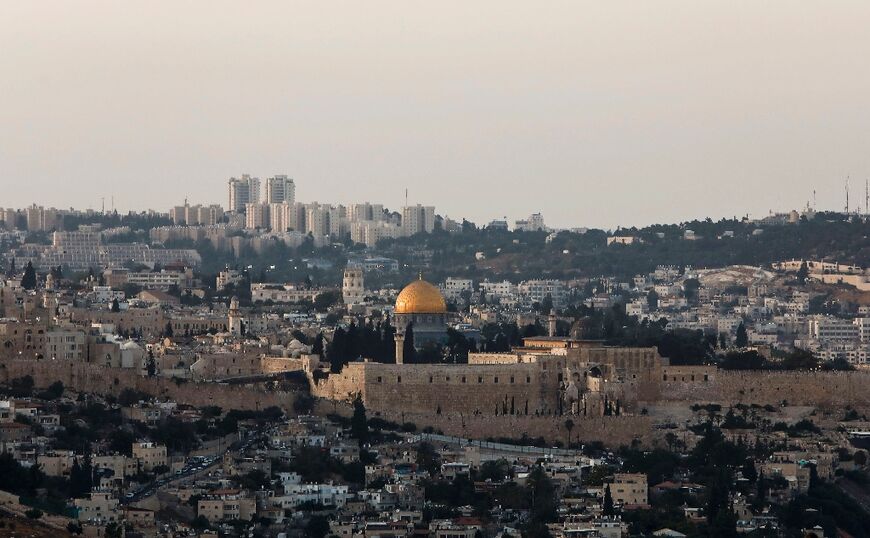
pixel 86 377
pixel 612 430
pixel 822 389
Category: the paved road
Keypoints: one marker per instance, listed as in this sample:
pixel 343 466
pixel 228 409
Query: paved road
pixel 150 489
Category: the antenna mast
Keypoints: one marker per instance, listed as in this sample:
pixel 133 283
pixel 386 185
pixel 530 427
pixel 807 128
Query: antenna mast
pixel 847 195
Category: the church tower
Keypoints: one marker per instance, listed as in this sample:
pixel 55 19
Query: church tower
pixel 352 286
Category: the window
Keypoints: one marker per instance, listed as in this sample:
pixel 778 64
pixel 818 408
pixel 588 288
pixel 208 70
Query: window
pixel 512 379
pixel 463 379
pixel 495 379
pixel 379 379
pixel 398 379
pixel 480 379
pixel 430 379
pixel 528 379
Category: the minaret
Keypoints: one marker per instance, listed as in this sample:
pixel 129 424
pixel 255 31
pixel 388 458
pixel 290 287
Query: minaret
pixel 400 348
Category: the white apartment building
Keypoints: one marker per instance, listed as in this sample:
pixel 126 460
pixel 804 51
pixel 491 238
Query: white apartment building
pixel 196 215
pixel 418 219
pixel 41 219
pixel 534 291
pixel 498 290
pixel 365 211
pixel 243 191
pixel 76 240
pixel 325 494
pixel 369 232
pixel 829 329
pixel 535 223
pixel 257 216
pixel 317 219
pixel 453 287
pixel 280 189
pixel 863 325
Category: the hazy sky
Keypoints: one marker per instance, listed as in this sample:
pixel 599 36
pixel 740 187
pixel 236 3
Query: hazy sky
pixel 594 113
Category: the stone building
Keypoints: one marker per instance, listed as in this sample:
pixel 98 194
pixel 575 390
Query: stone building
pixel 420 306
pixel 547 376
pixel 353 286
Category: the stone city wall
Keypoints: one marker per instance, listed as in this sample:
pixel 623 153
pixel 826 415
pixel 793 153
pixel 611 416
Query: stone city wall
pixel 86 377
pixel 611 430
pixel 822 389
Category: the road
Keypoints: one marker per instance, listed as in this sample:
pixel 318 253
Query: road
pixel 190 471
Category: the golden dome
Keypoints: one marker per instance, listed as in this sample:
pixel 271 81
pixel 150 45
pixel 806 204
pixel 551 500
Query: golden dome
pixel 420 297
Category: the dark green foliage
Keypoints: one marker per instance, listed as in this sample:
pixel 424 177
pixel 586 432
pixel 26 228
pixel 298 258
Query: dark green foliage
pixel 303 404
pixel 28 281
pixel 21 387
pixel 428 458
pixel 53 392
pixel 741 339
pixel 255 480
pixel 17 479
pixel 409 352
pixel 317 527
pixel 826 505
pixel 543 498
pixel 659 465
pixel 359 428
pixel 607 505
pixel 495 470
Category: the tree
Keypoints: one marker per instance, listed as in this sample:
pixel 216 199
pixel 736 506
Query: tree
pixel 569 425
pixel 28 281
pixel 33 513
pixel 168 332
pixel 115 306
pixel 428 458
pixel 151 364
pixel 80 478
pixel 607 506
pixel 803 272
pixel 114 530
pixel 317 347
pixel 690 289
pixel 652 300
pixel 742 339
pixel 409 352
pixel 317 527
pixel 542 494
pixel 326 299
pixel 547 304
pixel 359 428
pixel 54 391
pixel 337 353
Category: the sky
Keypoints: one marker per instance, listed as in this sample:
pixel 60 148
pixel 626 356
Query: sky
pixel 598 114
